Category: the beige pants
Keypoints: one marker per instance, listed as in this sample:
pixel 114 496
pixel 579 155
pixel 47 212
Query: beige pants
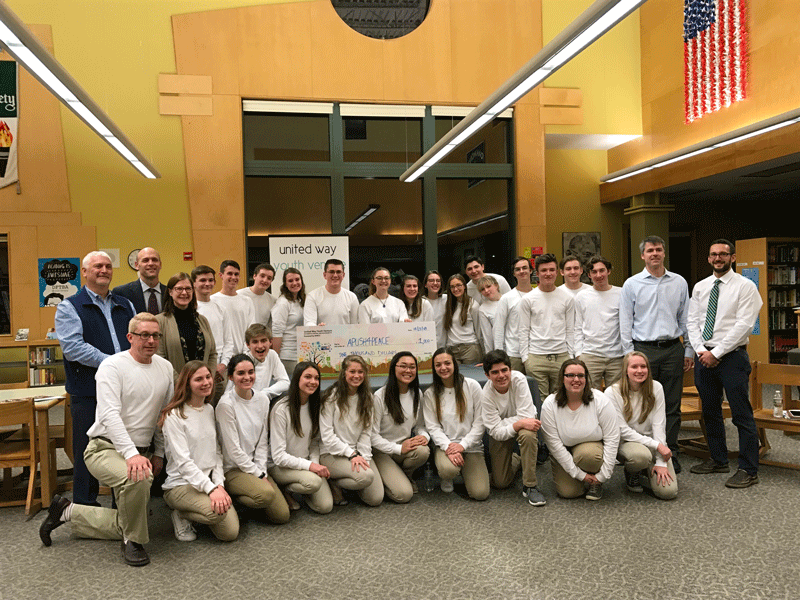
pixel 602 371
pixel 129 520
pixel 308 484
pixel 368 483
pixel 476 476
pixel 544 369
pixel 258 493
pixel 588 456
pixel 638 457
pixel 517 364
pixel 396 470
pixel 501 456
pixel 467 354
pixel 195 505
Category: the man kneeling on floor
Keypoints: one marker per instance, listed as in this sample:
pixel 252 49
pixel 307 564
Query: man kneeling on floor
pixel 509 414
pixel 132 388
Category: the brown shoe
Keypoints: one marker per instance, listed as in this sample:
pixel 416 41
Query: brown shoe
pixel 742 479
pixel 134 554
pixel 710 466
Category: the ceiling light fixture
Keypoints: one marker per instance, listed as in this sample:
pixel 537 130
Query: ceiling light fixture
pixel 364 214
pixel 589 26
pixel 28 51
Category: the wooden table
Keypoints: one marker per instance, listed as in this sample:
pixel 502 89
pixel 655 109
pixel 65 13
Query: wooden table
pixel 48 472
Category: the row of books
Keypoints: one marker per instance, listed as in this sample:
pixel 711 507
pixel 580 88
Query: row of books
pixel 42 377
pixel 780 298
pixel 43 356
pixel 782 275
pixel 784 253
pixel 781 319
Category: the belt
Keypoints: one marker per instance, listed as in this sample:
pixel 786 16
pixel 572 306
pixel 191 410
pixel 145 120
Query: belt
pixel 139 449
pixel 659 343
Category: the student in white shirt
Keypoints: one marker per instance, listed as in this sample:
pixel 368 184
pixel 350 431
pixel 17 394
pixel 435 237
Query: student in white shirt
pixel 239 310
pixel 271 377
pixel 203 280
pixel 438 300
pixel 263 301
pixel 287 316
pixel 243 429
pixel 331 304
pixel 461 322
pixel 474 268
pixel 643 449
pixel 345 428
pixel 506 324
pixel 581 430
pixel 380 307
pixel 487 286
pixel 572 271
pixel 399 439
pixel 194 488
pixel 294 441
pixel 418 307
pixel 452 410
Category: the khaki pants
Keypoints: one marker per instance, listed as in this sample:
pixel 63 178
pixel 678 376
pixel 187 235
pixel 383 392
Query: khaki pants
pixel 501 455
pixel 544 369
pixel 638 457
pixel 476 476
pixel 467 354
pixel 588 456
pixel 195 506
pixel 517 364
pixel 129 520
pixel 368 483
pixel 258 493
pixel 308 484
pixel 396 470
pixel 602 371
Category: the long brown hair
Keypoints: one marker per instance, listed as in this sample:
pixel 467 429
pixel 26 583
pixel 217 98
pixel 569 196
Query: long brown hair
pixel 391 395
pixel 464 302
pixel 372 287
pixel 301 295
pixel 458 384
pixel 624 385
pixel 561 393
pixel 338 392
pixel 425 284
pixel 293 400
pixel 169 305
pixel 183 391
pixel 413 307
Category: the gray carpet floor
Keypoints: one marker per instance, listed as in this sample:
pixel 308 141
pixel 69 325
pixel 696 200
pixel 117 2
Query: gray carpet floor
pixel 711 542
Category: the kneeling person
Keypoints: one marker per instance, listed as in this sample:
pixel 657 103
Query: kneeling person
pixel 509 415
pixel 132 388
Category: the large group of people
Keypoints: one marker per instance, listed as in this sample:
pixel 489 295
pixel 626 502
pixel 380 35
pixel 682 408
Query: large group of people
pixel 210 386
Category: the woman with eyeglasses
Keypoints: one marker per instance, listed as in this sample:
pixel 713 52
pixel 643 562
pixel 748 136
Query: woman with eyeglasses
pixel 287 316
pixel 452 411
pixel 461 322
pixel 643 450
pixel 438 301
pixel 581 430
pixel 399 439
pixel 380 307
pixel 186 334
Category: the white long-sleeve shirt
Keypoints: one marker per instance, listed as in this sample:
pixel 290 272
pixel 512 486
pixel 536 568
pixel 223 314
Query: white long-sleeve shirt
pixel 439 305
pixel 474 293
pixel 597 323
pixel 501 411
pixel 332 309
pixel 286 318
pixel 469 432
pixel 486 320
pixel 343 434
pixel 243 433
pixel 239 314
pixel 220 329
pixel 594 422
pixel 193 455
pixel 271 376
pixel 130 396
pixel 375 310
pixel 653 431
pixel 288 450
pixel 388 436
pixel 470 332
pixel 262 305
pixel 547 323
pixel 506 323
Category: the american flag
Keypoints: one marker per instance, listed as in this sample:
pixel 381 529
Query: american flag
pixel 714 55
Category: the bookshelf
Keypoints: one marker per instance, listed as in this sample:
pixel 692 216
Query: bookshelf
pixel 35 363
pixel 778 264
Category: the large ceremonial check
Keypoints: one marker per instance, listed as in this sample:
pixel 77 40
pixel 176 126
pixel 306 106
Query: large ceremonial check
pixel 377 343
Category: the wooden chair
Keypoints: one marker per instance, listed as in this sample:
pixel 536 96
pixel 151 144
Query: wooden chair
pixel 19 413
pixel 785 376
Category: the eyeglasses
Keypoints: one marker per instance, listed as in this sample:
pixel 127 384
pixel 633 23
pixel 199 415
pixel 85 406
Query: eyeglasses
pixel 719 255
pixel 335 272
pixel 182 290
pixel 382 278
pixel 574 375
pixel 406 367
pixel 146 336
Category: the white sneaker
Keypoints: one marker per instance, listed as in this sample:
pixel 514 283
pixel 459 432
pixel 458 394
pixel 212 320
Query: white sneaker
pixel 447 485
pixel 184 532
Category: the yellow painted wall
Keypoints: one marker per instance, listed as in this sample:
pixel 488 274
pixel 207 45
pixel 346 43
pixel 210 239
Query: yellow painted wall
pixel 115 50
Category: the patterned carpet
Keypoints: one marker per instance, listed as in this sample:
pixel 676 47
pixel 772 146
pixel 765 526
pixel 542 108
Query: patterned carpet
pixel 712 542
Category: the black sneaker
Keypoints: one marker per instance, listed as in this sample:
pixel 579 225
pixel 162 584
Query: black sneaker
pixel 632 481
pixel 709 466
pixel 134 554
pixel 534 496
pixel 595 491
pixel 742 479
pixel 53 519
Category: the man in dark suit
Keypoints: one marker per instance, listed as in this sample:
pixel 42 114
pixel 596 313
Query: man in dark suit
pixel 146 293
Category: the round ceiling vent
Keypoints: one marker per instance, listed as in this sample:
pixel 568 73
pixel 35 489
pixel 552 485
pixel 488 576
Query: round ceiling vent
pixel 382 19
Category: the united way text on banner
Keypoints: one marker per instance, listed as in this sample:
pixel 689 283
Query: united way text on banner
pixel 307 254
pixel 376 343
pixel 9 110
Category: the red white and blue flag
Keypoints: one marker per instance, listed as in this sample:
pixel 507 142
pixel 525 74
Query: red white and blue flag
pixel 714 55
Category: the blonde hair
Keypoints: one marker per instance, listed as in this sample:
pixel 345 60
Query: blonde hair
pixel 142 317
pixel 648 398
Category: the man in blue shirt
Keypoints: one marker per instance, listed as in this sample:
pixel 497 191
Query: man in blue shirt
pixel 91 325
pixel 653 310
